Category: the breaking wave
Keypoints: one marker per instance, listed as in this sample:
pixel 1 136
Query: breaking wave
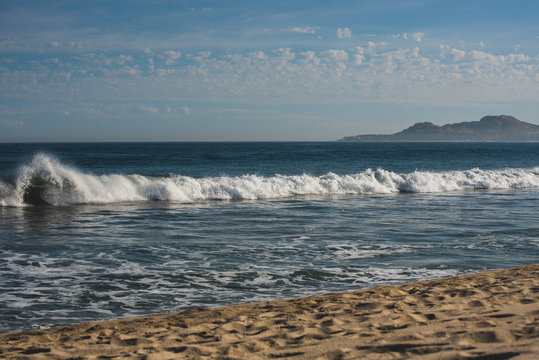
pixel 45 180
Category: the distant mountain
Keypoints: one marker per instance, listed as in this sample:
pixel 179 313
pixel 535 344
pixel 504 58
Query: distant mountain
pixel 489 128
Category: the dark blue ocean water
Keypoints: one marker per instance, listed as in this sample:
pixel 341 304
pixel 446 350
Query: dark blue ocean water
pixel 101 231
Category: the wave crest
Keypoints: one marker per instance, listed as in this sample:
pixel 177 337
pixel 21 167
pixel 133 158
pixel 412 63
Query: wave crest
pixel 45 180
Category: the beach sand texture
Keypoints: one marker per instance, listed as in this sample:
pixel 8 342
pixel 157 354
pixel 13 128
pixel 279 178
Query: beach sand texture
pixel 492 315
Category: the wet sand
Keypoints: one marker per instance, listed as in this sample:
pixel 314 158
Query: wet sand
pixel 492 315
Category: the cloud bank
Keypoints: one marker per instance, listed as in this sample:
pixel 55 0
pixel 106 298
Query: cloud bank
pixel 369 72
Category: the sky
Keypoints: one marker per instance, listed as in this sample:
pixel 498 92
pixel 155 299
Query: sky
pixel 237 70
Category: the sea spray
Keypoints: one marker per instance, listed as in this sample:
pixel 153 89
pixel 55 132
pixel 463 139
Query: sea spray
pixel 45 180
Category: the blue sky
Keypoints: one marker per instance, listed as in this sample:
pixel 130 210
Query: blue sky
pixel 256 70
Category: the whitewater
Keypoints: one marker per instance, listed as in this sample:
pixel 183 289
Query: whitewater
pixel 47 181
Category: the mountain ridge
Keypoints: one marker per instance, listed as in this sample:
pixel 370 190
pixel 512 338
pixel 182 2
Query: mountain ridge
pixel 488 128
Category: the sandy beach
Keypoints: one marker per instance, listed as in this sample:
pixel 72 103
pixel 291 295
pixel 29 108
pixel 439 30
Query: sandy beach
pixel 492 315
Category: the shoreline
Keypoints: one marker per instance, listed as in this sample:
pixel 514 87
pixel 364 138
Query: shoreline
pixel 489 315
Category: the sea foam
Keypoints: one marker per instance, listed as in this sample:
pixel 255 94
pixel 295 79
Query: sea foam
pixel 45 180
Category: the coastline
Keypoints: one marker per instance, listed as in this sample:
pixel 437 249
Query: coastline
pixel 490 315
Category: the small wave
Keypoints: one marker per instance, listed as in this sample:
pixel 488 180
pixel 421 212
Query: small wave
pixel 45 180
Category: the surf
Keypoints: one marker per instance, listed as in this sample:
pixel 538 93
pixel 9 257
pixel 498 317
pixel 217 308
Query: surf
pixel 46 180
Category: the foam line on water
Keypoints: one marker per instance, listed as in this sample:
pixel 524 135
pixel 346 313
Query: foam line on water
pixel 46 180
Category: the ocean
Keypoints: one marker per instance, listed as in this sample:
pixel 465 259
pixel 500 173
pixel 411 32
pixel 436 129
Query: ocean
pixel 97 231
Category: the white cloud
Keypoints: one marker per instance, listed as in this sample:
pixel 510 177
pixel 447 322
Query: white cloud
pixel 311 58
pixel 309 55
pixel 260 55
pixel 338 55
pixel 484 56
pixel 58 45
pixel 513 58
pixel 458 54
pixel 372 46
pixel 345 33
pixel 123 59
pixel 170 56
pixel 130 70
pixel 200 56
pixel 285 53
pixel 358 59
pixel 304 30
pixel 418 36
pixel 165 72
pixel 498 60
pixel 444 49
pixel 149 109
